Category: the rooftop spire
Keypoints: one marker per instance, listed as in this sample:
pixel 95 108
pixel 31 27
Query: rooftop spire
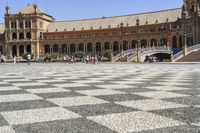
pixel 7 8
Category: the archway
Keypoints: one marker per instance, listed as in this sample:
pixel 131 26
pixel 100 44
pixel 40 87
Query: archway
pixel 163 41
pixel 81 47
pixel 47 49
pixel 64 48
pixel 153 42
pixel 1 50
pixel 115 46
pixel 21 50
pixel 28 48
pixel 174 42
pixel 180 41
pixel 72 48
pixel 89 47
pixel 125 45
pixel 133 44
pixel 98 47
pixel 14 50
pixel 143 43
pixel 55 48
pixel 107 46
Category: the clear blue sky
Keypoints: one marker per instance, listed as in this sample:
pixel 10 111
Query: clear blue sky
pixel 83 9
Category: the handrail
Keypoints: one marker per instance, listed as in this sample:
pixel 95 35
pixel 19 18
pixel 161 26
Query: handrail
pixel 3 58
pixel 149 50
pixel 189 50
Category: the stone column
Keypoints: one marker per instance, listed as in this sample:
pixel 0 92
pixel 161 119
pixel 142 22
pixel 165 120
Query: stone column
pixel 37 51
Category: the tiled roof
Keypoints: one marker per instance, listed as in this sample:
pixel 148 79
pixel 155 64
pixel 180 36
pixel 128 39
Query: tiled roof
pixel 113 22
pixel 30 9
pixel 2 28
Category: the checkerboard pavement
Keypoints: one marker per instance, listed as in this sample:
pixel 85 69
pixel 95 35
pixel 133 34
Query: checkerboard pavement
pixel 105 98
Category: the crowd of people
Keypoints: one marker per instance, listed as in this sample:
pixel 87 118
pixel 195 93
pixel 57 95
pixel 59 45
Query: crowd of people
pixel 89 59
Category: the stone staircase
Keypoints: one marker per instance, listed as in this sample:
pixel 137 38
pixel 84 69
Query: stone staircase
pixel 191 57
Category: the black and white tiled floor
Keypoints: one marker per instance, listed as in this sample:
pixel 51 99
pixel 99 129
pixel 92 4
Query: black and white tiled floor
pixel 105 98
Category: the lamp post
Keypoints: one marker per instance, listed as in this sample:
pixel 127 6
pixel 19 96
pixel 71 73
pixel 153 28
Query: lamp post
pixel 138 40
pixel 184 15
pixel 121 28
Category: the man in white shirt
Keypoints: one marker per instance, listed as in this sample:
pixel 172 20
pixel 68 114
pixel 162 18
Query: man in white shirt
pixel 28 58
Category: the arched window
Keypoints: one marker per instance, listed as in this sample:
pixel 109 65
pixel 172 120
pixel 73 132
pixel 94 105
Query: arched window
pixel 163 41
pixel 21 50
pixel 28 48
pixel 21 36
pixel 14 36
pixel 28 35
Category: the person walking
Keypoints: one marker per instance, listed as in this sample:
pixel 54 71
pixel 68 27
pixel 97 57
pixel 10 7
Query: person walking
pixel 28 59
pixel 14 60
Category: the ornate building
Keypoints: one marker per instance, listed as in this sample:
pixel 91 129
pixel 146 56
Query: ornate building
pixel 32 30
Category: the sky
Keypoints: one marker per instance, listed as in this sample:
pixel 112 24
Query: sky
pixel 84 9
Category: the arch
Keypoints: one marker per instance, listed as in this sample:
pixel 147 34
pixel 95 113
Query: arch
pixel 72 48
pixel 28 48
pixel 14 36
pixel 115 46
pixel 14 50
pixel 55 48
pixel 47 49
pixel 125 45
pixel 64 48
pixel 163 41
pixel 89 47
pixel 1 50
pixel 21 50
pixel 98 47
pixel 133 44
pixel 153 42
pixel 21 36
pixel 181 41
pixel 107 46
pixel 143 43
pixel 28 35
pixel 81 47
pixel 174 42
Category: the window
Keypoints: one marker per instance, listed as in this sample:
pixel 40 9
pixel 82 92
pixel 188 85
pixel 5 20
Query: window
pixel 21 25
pixel 13 25
pixel 41 35
pixel 27 24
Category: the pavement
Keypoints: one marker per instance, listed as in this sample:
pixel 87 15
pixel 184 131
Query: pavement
pixel 103 98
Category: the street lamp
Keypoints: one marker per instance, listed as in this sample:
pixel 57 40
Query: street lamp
pixel 121 28
pixel 138 40
pixel 184 15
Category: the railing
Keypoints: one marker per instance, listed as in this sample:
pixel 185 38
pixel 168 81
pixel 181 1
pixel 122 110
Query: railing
pixel 123 53
pixel 150 50
pixel 3 58
pixel 189 50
